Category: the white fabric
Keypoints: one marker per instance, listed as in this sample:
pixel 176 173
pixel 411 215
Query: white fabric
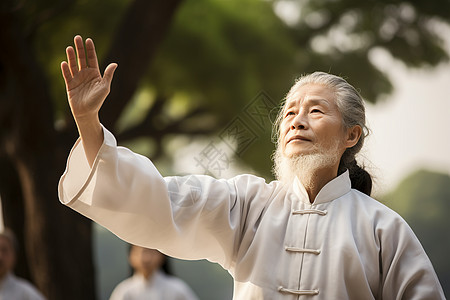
pixel 15 288
pixel 158 287
pixel 274 243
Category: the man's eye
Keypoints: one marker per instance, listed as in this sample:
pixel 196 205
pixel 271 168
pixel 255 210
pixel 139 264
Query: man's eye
pixel 290 113
pixel 315 110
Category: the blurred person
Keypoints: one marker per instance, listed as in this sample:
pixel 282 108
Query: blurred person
pixel 150 281
pixel 12 287
pixel 314 233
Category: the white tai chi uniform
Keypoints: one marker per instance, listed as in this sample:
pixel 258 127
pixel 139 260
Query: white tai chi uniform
pixel 272 240
pixel 15 288
pixel 158 287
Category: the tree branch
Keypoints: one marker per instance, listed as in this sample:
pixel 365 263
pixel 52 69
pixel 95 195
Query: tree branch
pixel 136 40
pixel 147 128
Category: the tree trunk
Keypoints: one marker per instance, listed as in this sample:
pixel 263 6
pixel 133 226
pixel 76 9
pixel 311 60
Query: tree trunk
pixel 12 203
pixel 143 28
pixel 57 241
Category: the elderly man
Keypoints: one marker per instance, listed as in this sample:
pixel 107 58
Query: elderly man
pixel 312 234
pixel 12 287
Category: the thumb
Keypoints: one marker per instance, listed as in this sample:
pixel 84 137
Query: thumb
pixel 109 72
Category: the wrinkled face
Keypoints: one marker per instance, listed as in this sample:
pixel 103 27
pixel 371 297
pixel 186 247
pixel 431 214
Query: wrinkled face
pixel 7 256
pixel 312 123
pixel 145 261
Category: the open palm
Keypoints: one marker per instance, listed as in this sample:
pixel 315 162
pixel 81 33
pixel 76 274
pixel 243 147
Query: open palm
pixel 86 88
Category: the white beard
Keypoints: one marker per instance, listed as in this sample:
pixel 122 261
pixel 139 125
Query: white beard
pixel 303 166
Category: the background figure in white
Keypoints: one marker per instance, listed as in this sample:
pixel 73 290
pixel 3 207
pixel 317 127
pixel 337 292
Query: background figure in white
pixel 12 287
pixel 149 281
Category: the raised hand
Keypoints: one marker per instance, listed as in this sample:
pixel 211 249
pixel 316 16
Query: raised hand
pixel 86 88
pixel 86 91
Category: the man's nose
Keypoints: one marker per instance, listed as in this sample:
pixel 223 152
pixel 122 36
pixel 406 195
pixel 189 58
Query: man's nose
pixel 299 122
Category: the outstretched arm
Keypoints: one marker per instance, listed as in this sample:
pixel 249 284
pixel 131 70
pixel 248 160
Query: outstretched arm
pixel 86 89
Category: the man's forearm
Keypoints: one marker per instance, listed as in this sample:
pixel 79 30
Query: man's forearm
pixel 91 134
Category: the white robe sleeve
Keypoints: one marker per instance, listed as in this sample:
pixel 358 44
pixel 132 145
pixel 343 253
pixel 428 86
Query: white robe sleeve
pixel 406 271
pixel 192 217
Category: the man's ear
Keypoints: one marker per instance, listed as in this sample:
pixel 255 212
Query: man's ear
pixel 353 135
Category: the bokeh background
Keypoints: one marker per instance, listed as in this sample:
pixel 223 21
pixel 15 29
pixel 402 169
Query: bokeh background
pixel 196 89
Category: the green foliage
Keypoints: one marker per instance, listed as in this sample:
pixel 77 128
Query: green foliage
pixel 94 19
pixel 423 199
pixel 218 55
pixel 341 34
pixel 222 53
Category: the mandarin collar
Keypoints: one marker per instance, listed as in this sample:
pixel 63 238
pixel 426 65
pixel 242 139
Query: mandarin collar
pixel 334 189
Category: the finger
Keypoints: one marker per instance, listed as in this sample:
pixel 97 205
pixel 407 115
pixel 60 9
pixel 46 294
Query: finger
pixel 80 51
pixel 91 54
pixel 72 60
pixel 66 73
pixel 109 72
